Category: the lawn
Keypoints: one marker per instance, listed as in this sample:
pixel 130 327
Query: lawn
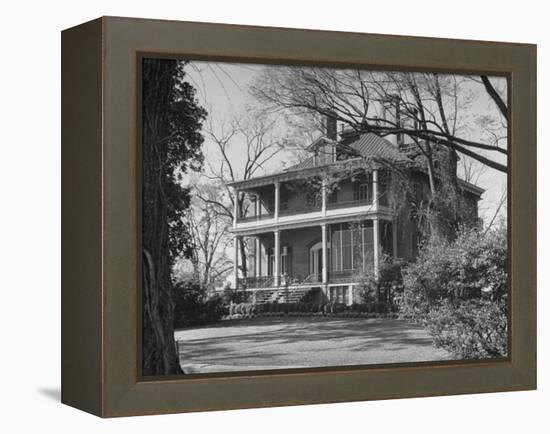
pixel 276 343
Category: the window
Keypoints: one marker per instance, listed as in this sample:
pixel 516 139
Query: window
pixel 362 189
pixel 352 246
pixel 346 250
pixel 285 262
pixel 336 253
pixel 386 235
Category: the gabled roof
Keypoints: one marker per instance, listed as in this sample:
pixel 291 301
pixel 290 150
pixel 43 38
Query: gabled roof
pixel 371 145
pixel 366 145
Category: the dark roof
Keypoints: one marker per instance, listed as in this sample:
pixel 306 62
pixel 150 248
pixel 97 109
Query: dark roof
pixel 306 164
pixel 366 145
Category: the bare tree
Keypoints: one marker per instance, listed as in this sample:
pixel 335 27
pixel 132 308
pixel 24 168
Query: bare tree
pixel 427 108
pixel 243 149
pixel 209 236
pixel 428 103
pixel 471 170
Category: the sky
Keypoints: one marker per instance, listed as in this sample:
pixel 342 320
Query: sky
pixel 223 89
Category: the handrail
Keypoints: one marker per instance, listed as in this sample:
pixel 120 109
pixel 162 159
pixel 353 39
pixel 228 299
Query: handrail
pixel 284 209
pixel 349 203
pixel 253 218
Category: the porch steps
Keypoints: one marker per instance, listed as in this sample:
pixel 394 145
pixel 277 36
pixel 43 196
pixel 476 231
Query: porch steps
pixel 278 296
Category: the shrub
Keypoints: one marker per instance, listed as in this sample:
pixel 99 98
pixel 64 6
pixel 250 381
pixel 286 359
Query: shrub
pixel 388 285
pixel 473 264
pixel 193 307
pixel 473 329
pixel 458 290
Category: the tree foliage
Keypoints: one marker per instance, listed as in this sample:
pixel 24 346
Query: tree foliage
pixel 459 290
pixel 171 146
pixel 193 307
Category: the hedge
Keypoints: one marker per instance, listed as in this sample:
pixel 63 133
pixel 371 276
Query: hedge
pixel 249 310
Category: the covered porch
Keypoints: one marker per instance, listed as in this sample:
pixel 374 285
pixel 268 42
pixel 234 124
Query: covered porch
pixel 319 256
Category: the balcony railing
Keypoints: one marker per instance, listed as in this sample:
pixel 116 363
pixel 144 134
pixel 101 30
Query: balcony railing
pixel 348 203
pixel 285 209
pixel 254 218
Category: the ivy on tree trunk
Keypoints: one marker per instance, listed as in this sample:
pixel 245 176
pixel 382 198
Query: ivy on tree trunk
pixel 171 145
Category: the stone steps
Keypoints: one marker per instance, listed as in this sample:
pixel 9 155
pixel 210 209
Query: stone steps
pixel 279 296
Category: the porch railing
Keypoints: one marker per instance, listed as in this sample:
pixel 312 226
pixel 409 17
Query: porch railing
pixel 313 278
pixel 285 209
pixel 253 218
pixel 259 282
pixel 255 282
pixel 348 203
pixel 341 276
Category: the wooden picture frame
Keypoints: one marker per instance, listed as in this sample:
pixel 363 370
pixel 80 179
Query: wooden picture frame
pixel 100 191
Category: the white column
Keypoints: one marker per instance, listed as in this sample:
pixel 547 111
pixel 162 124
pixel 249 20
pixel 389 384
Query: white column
pixel 376 236
pixel 324 197
pixel 277 200
pixel 258 257
pixel 277 258
pixel 325 259
pixel 235 206
pixel 375 189
pixel 235 262
pixel 394 236
pixel 350 295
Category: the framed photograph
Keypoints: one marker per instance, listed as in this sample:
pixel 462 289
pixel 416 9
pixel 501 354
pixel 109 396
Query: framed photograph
pixel 261 217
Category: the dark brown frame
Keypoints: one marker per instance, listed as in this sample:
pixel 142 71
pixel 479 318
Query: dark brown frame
pixel 100 197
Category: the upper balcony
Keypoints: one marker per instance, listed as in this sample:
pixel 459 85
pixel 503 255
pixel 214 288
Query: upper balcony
pixel 288 201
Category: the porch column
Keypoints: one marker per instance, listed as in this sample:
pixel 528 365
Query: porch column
pixel 258 257
pixel 376 242
pixel 394 236
pixel 258 206
pixel 350 295
pixel 235 206
pixel 375 189
pixel 277 258
pixel 235 261
pixel 277 199
pixel 325 259
pixel 324 197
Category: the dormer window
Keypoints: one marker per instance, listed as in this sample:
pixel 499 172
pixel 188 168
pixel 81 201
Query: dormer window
pixel 363 189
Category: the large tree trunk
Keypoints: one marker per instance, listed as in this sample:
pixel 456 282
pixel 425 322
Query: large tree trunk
pixel 159 351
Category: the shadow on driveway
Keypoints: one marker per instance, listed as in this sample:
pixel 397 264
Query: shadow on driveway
pixel 277 343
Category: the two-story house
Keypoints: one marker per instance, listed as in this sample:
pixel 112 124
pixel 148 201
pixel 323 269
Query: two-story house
pixel 299 240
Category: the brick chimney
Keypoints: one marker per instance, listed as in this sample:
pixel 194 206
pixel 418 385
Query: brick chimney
pixel 331 127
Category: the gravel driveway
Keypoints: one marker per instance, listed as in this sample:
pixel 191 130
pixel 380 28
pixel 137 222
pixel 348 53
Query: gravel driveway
pixel 276 343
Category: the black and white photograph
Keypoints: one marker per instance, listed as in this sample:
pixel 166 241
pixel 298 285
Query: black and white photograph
pixel 307 217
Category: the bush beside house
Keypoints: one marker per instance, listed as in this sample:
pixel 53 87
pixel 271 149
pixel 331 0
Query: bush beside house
pixel 457 289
